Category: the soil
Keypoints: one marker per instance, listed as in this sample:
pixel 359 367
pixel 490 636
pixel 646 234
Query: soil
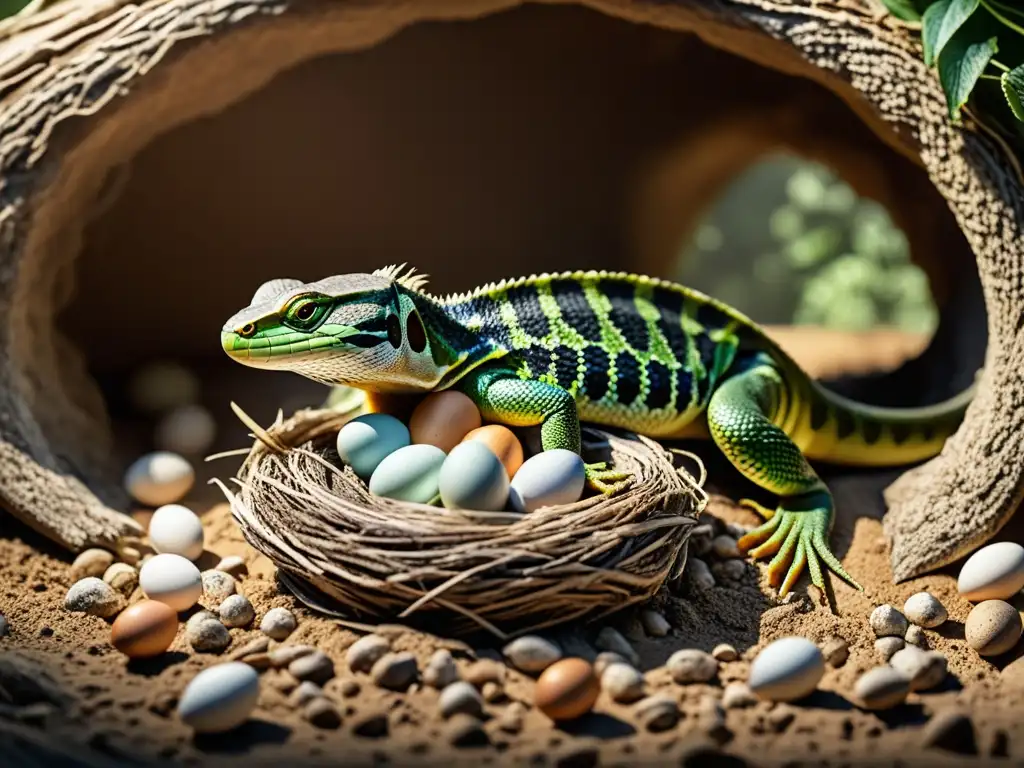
pixel 68 698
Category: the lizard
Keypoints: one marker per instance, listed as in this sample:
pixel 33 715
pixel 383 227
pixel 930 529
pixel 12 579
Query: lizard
pixel 610 348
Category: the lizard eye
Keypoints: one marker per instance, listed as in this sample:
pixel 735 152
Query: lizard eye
pixel 247 330
pixel 305 311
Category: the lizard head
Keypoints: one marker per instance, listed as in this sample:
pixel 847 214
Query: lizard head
pixel 365 330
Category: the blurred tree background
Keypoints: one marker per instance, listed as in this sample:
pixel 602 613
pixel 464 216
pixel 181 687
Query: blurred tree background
pixel 817 253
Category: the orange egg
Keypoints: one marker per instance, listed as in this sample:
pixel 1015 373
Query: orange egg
pixel 567 689
pixel 443 419
pixel 503 442
pixel 144 629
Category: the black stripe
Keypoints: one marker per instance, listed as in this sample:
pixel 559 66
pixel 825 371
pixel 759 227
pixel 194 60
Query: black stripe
pixel 376 324
pixel 845 424
pixel 659 378
pixel 627 381
pixel 871 431
pixel 566 362
pixel 670 308
pixel 576 310
pixel 595 377
pixel 900 433
pixel 684 380
pixel 364 340
pixel 624 313
pixel 819 413
pixel 532 320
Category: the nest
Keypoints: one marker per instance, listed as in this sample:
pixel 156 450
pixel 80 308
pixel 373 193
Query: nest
pixel 360 557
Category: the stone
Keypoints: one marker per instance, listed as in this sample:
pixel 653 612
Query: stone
pixel 691 665
pixel 654 623
pixel 372 725
pixel 886 621
pixel 885 647
pixel 699 574
pixel 882 688
pixel 234 566
pixel 952 731
pixel 208 636
pixel 511 719
pixel 925 669
pixel 91 562
pixel 218 586
pixel 461 698
pixel 836 651
pixel 122 577
pixel 440 671
pixel 724 652
pixel 484 671
pixel 729 570
pixel 321 713
pixel 916 636
pixel 610 639
pixel 278 623
pixel 925 610
pixel 781 717
pixel 738 695
pixel 605 659
pixel 365 652
pixel 725 547
pixel 283 655
pixel 94 596
pixel 532 654
pixel 466 731
pixel 623 683
pixel 657 713
pixel 492 692
pixel 254 646
pixel 395 671
pixel 316 667
pixel 236 611
pixel 304 693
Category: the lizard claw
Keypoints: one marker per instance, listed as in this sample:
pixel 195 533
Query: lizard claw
pixel 607 481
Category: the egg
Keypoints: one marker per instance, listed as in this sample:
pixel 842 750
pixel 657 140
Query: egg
pixel 176 529
pixel 787 669
pixel 472 477
pixel 994 572
pixel 364 442
pixel 409 474
pixel 567 689
pixel 442 419
pixel 549 478
pixel 503 443
pixel 220 697
pixel 993 627
pixel 171 579
pixel 144 629
pixel 159 478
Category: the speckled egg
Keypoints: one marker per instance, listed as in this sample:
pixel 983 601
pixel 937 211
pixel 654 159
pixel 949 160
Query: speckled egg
pixel 442 419
pixel 176 529
pixel 567 689
pixel 994 572
pixel 159 478
pixel 367 440
pixel 220 697
pixel 472 477
pixel 549 478
pixel 786 669
pixel 171 579
pixel 993 627
pixel 503 443
pixel 409 474
pixel 144 629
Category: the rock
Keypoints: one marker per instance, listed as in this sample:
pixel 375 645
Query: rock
pixel 258 660
pixel 122 577
pixel 729 570
pixel 711 716
pixel 836 651
pixel 237 611
pixel 654 623
pixel 724 652
pixel 278 623
pixel 925 669
pixel 885 647
pixel 348 688
pixel 951 731
pixel 218 586
pixel 532 654
pixel 209 636
pixel 461 698
pixel 321 713
pixel 993 627
pixel 484 671
pixel 699 574
pixel 198 618
pixel 609 639
pixel 786 670
pixel 781 717
pixel 234 566
pixel 364 652
pixel 886 621
pixel 622 682
pixel 316 667
pixel 91 562
pixel 578 756
pixel 738 695
pixel 305 693
pixel 916 636
pixel 492 692
pixel 466 731
pixel 440 671
pixel 994 572
pixel 725 547
pixel 924 610
pixel 657 713
pixel 371 726
pixel 511 720
pixel 220 697
pixel 605 659
pixel 284 655
pixel 692 666
pixel 95 597
pixel 395 671
pixel 881 688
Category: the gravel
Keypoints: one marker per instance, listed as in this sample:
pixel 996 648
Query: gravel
pixel 278 623
pixel 94 596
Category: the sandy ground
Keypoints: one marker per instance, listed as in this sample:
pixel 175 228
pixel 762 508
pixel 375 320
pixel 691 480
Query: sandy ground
pixel 68 694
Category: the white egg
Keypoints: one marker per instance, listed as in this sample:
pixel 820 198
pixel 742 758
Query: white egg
pixel 220 697
pixel 189 429
pixel 548 478
pixel 409 474
pixel 787 669
pixel 994 572
pixel 173 580
pixel 472 477
pixel 176 529
pixel 159 478
pixel 367 440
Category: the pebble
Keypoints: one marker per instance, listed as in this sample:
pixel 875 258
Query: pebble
pixel 258 660
pixel 349 688
pixel 994 572
pixel 691 665
pixel 711 715
pixel 725 547
pixel 237 611
pixel 199 617
pixel 253 647
pixel 395 671
pixel 925 669
pixel 654 623
pixel 836 651
pixel 886 621
pixel 738 530
pixel 171 579
pixel 305 693
pixel 316 667
pixel 952 731
pixel 605 659
pixel 144 629
pixel 283 655
pixel 729 570
pixel 278 623
pixel 364 652
pixel 532 654
pixel 492 692
pixel 546 479
pixel 925 610
pixel 610 639
pixel 511 720
pixel 440 671
pixel 461 698
pixel 724 652
pixel 699 574
pixel 657 713
pixel 479 673
pixel 885 647
pixel 781 717
pixel 372 725
pixel 623 683
pixel 122 577
pixel 176 529
pixel 322 713
pixel 95 597
pixel 218 586
pixel 786 670
pixel 882 688
pixel 220 698
pixel 466 731
pixel 916 636
pixel 159 478
pixel 993 627
pixel 208 636
pixel 738 695
pixel 567 689
pixel 234 565
pixel 188 429
pixel 91 562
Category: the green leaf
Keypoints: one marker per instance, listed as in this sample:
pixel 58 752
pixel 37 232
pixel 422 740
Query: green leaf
pixel 902 9
pixel 1013 90
pixel 940 22
pixel 960 67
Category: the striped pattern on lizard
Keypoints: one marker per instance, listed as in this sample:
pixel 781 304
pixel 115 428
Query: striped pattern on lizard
pixel 614 349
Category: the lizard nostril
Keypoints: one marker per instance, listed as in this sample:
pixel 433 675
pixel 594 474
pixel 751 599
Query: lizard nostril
pixel 247 330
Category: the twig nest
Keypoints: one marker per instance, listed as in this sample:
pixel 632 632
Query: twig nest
pixel 886 621
pixel 994 572
pixel 993 627
pixel 93 596
pixel 692 666
pixel 925 610
pixel 532 654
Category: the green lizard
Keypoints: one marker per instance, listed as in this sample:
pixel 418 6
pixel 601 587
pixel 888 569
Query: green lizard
pixel 609 348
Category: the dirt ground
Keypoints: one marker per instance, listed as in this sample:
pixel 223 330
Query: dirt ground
pixel 67 694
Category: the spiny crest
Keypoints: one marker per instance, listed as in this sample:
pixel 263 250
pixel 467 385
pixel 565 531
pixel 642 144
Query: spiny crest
pixel 411 280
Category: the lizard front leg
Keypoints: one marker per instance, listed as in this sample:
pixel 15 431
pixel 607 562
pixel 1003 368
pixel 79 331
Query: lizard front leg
pixel 740 418
pixel 502 396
